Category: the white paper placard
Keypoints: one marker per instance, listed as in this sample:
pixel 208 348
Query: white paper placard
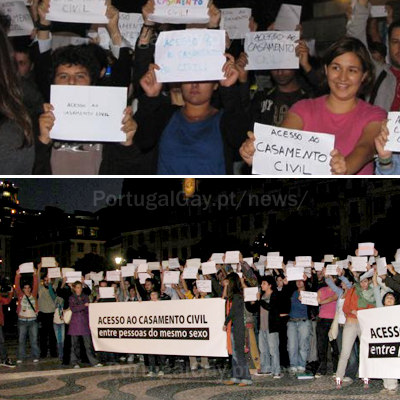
pixel 130 25
pixel 271 50
pixel 371 260
pixel 378 12
pixel 204 285
pixel 128 270
pixel 173 263
pixel 343 264
pixel 318 266
pixel 85 11
pixel 96 277
pixel 154 265
pixel 190 55
pixel 359 263
pixel 193 262
pixel 272 254
pixel 236 21
pixel 113 276
pixel 396 266
pixel 88 113
pixel 208 268
pixel 138 261
pixel 142 277
pixel 180 12
pixel 328 258
pixel 142 268
pixel 262 259
pixel 73 276
pixel 171 277
pixel 249 260
pixel 274 262
pixel 21 20
pixel 53 273
pixel 250 293
pixel 232 257
pixel 381 266
pixel 294 273
pixel 48 262
pixel 261 268
pixel 303 261
pixel 331 270
pixel 366 249
pixel 106 292
pixel 217 257
pixel 60 41
pixel 288 17
pixel 309 298
pixel 190 273
pixel 281 151
pixel 89 283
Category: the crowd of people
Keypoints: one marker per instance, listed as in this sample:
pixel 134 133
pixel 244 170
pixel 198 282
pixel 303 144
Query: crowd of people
pixel 285 335
pixel 200 127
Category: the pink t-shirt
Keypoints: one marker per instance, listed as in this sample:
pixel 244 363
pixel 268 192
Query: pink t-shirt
pixel 327 310
pixel 347 127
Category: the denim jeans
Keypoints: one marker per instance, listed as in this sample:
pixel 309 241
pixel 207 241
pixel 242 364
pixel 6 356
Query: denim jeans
pixel 269 352
pixel 298 333
pixel 3 351
pixel 240 369
pixel 26 328
pixel 59 331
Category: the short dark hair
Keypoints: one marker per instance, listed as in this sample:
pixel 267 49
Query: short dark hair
pixel 392 27
pixel 378 47
pixel 270 280
pixel 353 45
pixel 83 55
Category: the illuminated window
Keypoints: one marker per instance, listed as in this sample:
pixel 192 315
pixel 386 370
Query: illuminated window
pixel 79 231
pixel 6 194
pixel 13 211
pixel 93 232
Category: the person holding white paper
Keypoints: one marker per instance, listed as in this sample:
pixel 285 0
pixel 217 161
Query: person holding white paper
pixel 354 123
pixel 145 291
pixel 196 138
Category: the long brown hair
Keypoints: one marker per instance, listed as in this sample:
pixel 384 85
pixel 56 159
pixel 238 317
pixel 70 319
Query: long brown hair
pixel 11 105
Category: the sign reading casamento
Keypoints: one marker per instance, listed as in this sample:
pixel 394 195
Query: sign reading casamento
pixel 175 327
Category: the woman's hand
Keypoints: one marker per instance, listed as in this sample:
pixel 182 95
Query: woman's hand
pixel 338 163
pixel 149 83
pixel 129 126
pixel 247 148
pixel 381 140
pixel 46 123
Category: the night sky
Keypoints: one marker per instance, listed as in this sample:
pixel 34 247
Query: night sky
pixel 67 194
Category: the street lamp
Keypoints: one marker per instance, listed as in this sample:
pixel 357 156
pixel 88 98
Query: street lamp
pixel 118 261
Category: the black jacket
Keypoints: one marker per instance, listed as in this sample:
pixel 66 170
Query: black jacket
pixel 273 311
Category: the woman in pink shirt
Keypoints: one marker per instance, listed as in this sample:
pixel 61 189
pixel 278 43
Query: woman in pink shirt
pixel 355 123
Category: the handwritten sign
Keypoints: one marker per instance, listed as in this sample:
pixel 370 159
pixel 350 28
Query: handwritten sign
pixel 271 50
pixel 138 261
pixel 60 41
pixel 294 273
pixel 128 270
pixel 88 283
pixel 232 257
pixel 250 293
pixel 328 257
pixel 331 270
pixel 96 277
pixel 88 113
pixel 180 12
pixel 142 268
pixel 173 263
pixel 53 273
pixel 366 249
pixel 193 262
pixel 381 266
pixel 318 266
pixel 190 273
pixel 343 264
pixel 154 265
pixel 378 12
pixel 281 151
pixel 208 268
pixel 217 257
pixel 393 125
pixel 86 11
pixel 26 268
pixel 309 298
pixel 261 268
pixel 236 21
pixel 73 276
pixel 106 292
pixel 190 55
pixel 204 286
pixel 288 17
pixel 359 263
pixel 303 261
pixel 273 254
pixel 143 276
pixel 171 277
pixel 48 262
pixel 274 262
pixel 249 260
pixel 21 20
pixel 262 258
pixel 113 276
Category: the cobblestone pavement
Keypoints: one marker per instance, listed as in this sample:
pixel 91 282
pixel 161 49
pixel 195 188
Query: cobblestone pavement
pixel 123 382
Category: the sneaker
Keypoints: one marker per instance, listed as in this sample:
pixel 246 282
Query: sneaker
pixel 99 365
pixel 243 384
pixel 347 379
pixel 77 366
pixel 278 376
pixel 229 383
pixel 259 373
pixel 318 375
pixel 338 383
pixel 366 383
pixel 19 361
pixel 160 373
pixel 131 358
pixel 8 363
pixel 36 360
pixel 305 375
pixel 300 369
pixel 122 359
pixel 292 370
pixel 150 374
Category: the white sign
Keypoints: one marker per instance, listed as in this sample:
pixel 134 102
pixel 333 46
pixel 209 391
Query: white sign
pixel 53 273
pixel 113 276
pixel 249 260
pixel 190 55
pixel 261 268
pixel 250 293
pixel 303 261
pixel 180 12
pixel 193 262
pixel 60 41
pixel 328 258
pixel 281 151
pixel 343 264
pixel 154 266
pixel 371 260
pixel 142 268
pixel 190 273
pixel 96 277
pixel 262 259
pixel 366 249
pixel 288 17
pixel 204 285
pixel 48 262
pixel 359 263
pixel 271 254
pixel 130 25
pixel 106 293
pixel 172 327
pixel 217 257
pixel 271 50
pixel 128 270
pixel 21 20
pixel 88 113
pixel 173 263
pixel 309 298
pixel 294 273
pixel 274 262
pixel 331 270
pixel 236 22
pixel 378 12
pixel 381 266
pixel 171 277
pixel 379 344
pixel 232 257
pixel 88 283
pixel 208 268
pixel 318 266
pixel 73 276
pixel 143 276
pixel 138 261
pixel 86 11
